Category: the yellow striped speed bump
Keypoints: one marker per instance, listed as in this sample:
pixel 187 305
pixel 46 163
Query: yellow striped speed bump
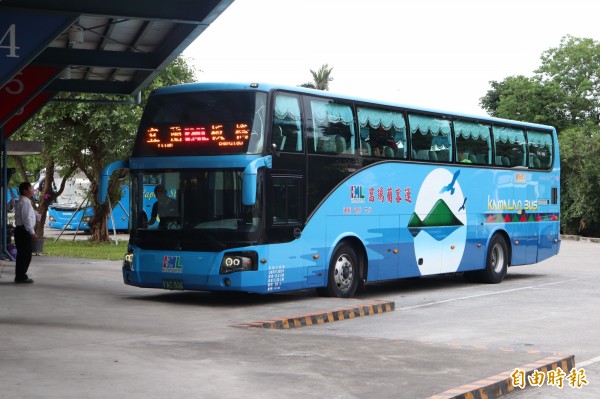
pixel 503 383
pixel 374 307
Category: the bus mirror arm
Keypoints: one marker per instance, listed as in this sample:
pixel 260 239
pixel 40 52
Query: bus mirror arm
pixel 249 179
pixel 104 177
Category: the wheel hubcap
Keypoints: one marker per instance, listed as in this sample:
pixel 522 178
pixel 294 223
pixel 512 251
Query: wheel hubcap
pixel 497 258
pixel 343 273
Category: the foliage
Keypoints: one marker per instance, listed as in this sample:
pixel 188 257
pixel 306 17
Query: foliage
pixel 580 150
pixel 321 78
pixel 87 132
pixel 564 93
pixel 524 99
pixel 574 71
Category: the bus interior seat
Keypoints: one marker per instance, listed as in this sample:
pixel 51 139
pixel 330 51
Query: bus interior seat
pixel 278 137
pixel 473 158
pixel 340 144
pixel 423 154
pixel 388 152
pixel 502 161
pixel 331 144
pixel 433 156
pixel 534 161
pixel 324 144
pixel 481 159
pixel 399 153
pixel 366 148
pixel 291 138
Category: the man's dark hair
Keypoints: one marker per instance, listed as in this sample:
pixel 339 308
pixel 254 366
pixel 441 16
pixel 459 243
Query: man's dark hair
pixel 24 187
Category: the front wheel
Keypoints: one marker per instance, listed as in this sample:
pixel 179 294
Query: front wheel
pixel 496 264
pixel 342 278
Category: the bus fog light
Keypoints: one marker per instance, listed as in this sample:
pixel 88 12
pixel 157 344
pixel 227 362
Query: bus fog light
pixel 239 262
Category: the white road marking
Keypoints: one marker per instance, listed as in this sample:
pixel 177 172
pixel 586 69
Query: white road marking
pixel 487 294
pixel 588 362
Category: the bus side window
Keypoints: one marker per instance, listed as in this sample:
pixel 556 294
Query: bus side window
pixel 540 149
pixel 431 138
pixel 510 146
pixel 287 128
pixel 333 127
pixel 382 132
pixel 473 144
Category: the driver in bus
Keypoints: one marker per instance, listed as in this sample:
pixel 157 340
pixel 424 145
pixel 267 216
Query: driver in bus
pixel 165 208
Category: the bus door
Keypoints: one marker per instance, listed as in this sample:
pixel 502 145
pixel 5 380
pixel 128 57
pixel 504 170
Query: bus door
pixel 286 190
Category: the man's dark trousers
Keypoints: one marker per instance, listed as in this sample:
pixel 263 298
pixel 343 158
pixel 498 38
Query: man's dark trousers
pixel 24 244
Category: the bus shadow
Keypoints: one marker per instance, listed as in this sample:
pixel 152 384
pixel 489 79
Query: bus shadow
pixel 431 283
pixel 225 299
pixel 371 291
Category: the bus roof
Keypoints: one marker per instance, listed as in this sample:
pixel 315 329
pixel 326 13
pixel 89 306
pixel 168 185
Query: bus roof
pixel 266 87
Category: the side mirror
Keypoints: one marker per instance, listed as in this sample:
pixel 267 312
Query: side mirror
pixel 249 179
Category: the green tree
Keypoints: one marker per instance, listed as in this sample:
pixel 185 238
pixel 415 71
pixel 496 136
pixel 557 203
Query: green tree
pixel 573 69
pixel 565 93
pixel 85 132
pixel 580 203
pixel 321 78
pixel 525 99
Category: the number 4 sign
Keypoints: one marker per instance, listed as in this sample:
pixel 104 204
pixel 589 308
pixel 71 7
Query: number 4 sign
pixel 9 42
pixel 20 44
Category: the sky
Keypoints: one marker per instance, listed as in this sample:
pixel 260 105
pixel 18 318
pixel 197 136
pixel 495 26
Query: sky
pixel 432 53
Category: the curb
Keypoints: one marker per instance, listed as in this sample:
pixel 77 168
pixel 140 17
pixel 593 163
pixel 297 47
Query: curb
pixel 309 319
pixel 579 238
pixel 501 384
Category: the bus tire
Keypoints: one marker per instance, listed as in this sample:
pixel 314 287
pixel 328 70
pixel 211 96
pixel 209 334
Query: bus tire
pixel 496 264
pixel 343 275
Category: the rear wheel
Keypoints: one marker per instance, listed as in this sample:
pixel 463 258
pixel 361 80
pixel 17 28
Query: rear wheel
pixel 497 261
pixel 342 278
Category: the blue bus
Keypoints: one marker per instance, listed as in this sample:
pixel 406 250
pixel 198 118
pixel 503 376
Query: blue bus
pixel 76 216
pixel 284 188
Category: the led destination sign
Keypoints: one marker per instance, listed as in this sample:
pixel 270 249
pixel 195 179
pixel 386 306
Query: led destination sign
pixel 214 138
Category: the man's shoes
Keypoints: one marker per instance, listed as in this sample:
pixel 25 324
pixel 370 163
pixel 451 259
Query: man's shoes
pixel 24 281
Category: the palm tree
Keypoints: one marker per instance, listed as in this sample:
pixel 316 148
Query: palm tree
pixel 321 78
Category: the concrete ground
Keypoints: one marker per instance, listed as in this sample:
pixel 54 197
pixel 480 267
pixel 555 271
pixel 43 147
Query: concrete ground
pixel 79 332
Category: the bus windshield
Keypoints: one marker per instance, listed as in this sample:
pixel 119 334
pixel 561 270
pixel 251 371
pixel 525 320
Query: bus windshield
pixel 192 209
pixel 202 123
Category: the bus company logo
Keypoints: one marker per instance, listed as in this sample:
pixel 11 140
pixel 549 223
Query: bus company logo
pixel 171 264
pixel 356 194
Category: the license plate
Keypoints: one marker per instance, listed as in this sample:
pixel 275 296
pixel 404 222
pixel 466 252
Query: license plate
pixel 173 285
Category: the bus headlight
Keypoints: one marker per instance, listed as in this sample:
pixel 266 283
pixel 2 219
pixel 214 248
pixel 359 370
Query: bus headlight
pixel 239 262
pixel 86 219
pixel 128 261
pixel 51 218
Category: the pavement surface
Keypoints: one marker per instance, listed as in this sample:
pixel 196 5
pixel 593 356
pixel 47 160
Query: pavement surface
pixel 78 331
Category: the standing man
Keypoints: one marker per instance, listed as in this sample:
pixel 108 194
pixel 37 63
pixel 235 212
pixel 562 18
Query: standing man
pixel 24 232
